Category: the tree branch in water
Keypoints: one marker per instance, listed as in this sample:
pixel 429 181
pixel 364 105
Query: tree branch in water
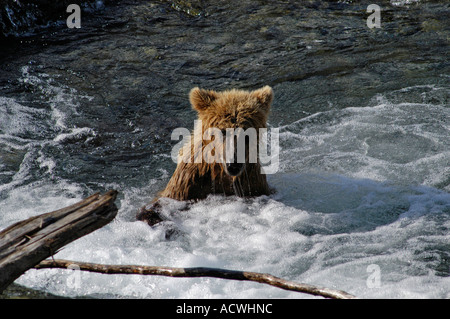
pixel 197 272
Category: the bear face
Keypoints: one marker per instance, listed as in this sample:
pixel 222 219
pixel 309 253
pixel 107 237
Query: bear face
pixel 204 167
pixel 232 113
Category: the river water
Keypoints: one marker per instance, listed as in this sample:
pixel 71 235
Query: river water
pixel 362 199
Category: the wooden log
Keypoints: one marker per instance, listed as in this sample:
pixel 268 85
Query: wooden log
pixel 26 243
pixel 198 272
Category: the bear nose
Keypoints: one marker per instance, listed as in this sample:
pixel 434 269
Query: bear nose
pixel 234 169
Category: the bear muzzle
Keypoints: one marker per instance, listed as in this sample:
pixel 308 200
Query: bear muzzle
pixel 234 169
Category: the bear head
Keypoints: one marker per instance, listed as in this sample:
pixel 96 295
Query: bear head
pixel 231 114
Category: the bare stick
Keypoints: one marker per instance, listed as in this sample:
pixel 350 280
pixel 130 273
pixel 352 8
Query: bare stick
pixel 197 272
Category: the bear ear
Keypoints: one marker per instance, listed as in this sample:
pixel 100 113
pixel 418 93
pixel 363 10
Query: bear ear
pixel 202 99
pixel 264 97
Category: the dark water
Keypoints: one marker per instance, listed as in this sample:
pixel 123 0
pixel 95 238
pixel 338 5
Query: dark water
pixel 88 109
pixel 138 60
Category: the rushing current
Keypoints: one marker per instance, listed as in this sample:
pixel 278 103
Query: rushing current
pixel 362 199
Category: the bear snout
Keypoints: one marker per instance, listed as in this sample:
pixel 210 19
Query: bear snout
pixel 234 169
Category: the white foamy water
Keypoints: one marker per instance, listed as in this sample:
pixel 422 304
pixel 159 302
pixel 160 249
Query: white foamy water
pixel 404 142
pixel 362 205
pixel 322 230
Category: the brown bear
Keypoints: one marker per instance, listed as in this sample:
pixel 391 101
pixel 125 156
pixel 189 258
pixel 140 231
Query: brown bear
pixel 204 168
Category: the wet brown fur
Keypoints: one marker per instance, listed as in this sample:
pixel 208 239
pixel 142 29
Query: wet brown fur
pixel 228 109
pixel 222 110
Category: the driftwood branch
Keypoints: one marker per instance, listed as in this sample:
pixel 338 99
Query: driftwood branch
pixel 26 243
pixel 197 272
